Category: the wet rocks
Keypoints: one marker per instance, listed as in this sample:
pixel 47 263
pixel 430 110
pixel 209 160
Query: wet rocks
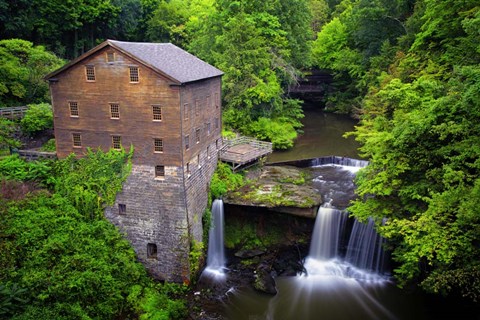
pixel 264 282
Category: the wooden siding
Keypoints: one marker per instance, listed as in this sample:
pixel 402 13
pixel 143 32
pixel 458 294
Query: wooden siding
pixel 135 100
pixel 202 93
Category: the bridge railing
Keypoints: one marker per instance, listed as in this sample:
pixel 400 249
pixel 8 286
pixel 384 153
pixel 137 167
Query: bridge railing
pixel 227 143
pixel 13 112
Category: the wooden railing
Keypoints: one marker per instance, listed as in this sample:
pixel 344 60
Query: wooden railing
pixel 246 140
pixel 13 112
pixel 35 155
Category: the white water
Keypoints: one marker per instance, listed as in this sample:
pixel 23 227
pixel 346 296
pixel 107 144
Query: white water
pixel 216 250
pixel 364 253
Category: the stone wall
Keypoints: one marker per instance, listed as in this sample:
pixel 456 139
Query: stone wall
pixel 155 213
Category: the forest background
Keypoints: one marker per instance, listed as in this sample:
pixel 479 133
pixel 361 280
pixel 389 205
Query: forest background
pixel 408 69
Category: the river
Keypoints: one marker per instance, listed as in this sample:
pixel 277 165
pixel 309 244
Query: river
pixel 322 136
pixel 338 294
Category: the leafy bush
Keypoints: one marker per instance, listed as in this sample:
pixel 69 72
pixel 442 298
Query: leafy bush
pixel 280 132
pixel 7 128
pixel 14 168
pixel 224 179
pixel 49 146
pixel 37 118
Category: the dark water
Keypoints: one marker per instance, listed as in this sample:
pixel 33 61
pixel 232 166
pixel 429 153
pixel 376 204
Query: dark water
pixel 322 137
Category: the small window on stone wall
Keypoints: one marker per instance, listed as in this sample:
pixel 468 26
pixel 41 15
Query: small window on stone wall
pixel 152 251
pixel 122 208
pixel 159 171
pixel 73 105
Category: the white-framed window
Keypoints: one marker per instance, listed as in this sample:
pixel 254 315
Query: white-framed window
pixel 73 106
pixel 114 111
pixel 116 142
pixel 158 145
pixel 77 140
pixel 134 74
pixel 90 73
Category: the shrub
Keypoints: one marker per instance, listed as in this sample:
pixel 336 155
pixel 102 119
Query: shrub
pixel 37 118
pixel 49 146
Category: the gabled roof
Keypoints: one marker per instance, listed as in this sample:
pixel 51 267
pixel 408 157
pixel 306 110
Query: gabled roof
pixel 165 58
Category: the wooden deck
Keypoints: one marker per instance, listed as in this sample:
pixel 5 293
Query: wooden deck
pixel 243 151
pixel 13 113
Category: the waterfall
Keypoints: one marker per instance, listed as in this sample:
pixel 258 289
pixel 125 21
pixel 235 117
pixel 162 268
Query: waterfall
pixel 329 227
pixel 364 257
pixel 216 251
pixel 364 248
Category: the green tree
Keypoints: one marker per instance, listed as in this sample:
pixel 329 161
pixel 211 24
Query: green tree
pixel 23 67
pixel 420 132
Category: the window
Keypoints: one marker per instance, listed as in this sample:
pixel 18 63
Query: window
pixel 90 72
pixel 217 123
pixel 218 143
pixel 208 128
pixel 116 142
pixel 157 112
pixel 197 107
pixel 77 140
pixel 73 105
pixel 158 143
pixel 133 74
pixel 110 57
pixel 217 99
pixel 187 142
pixel 188 168
pixel 208 152
pixel 198 161
pixel 197 136
pixel 122 208
pixel 186 111
pixel 152 251
pixel 159 171
pixel 114 111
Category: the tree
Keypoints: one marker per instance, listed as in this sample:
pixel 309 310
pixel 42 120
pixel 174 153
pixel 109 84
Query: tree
pixel 23 66
pixel 420 132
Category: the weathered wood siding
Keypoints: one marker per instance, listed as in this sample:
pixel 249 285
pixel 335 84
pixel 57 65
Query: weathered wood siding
pixel 135 125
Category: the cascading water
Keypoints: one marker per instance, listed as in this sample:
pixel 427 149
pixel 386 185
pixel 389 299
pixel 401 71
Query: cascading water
pixel 216 250
pixel 364 253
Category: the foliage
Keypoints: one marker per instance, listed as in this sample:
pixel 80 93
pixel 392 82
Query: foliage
pixel 224 179
pixel 259 46
pixel 49 146
pixel 92 182
pixel 73 264
pixel 420 132
pixel 196 257
pixel 7 129
pixel 37 118
pixel 15 168
pixel 23 67
pixel 11 300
